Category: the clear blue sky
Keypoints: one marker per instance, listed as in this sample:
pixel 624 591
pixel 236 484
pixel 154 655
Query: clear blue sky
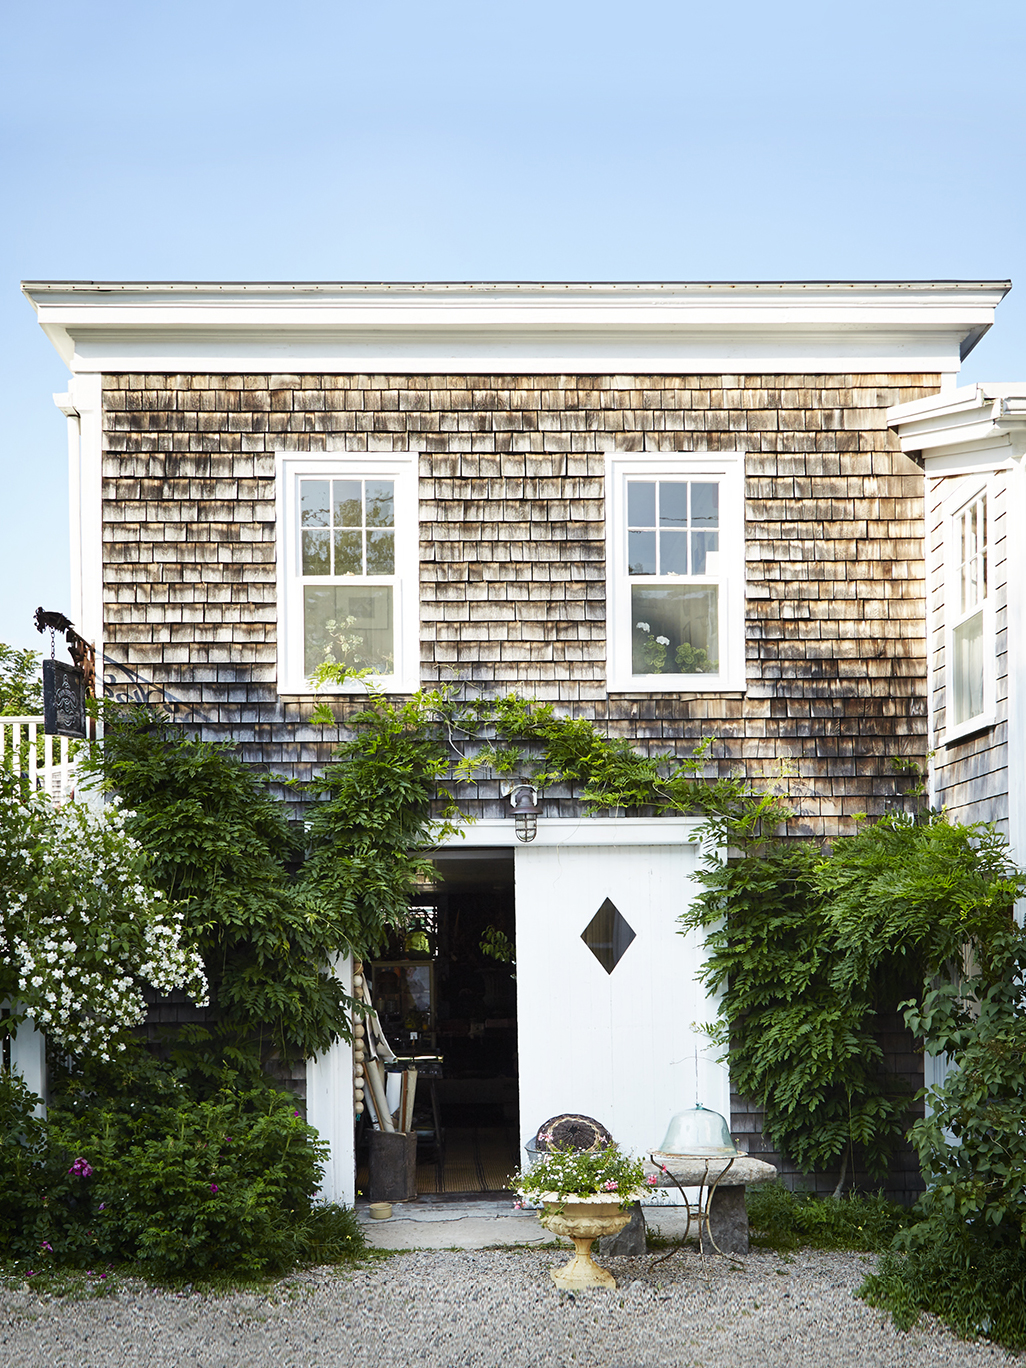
pixel 239 139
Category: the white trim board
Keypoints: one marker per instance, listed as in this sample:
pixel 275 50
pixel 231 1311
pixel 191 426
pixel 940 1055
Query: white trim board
pixel 577 831
pixel 508 328
pixel 222 351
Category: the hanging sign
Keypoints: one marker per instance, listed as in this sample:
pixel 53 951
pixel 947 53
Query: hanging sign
pixel 64 695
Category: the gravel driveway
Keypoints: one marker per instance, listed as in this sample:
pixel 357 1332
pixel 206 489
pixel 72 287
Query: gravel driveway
pixel 497 1307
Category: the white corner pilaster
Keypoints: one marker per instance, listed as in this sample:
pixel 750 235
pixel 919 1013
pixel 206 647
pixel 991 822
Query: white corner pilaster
pixel 329 1108
pixel 82 405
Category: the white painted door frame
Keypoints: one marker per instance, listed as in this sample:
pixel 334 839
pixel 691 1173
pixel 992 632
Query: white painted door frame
pixel 619 1046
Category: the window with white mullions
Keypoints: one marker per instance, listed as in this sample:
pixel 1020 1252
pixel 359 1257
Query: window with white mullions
pixel 348 556
pixel 673 532
pixel 677 562
pixel 348 527
pixel 348 530
pixel 970 628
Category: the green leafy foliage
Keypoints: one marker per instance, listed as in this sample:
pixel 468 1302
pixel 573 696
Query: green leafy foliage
pixel 22 1158
pixel 21 684
pixel 810 948
pixel 965 1257
pixel 367 831
pixel 222 846
pixel 785 1220
pixel 972 1276
pixel 149 1176
pixel 802 1043
pixel 916 894
pixel 497 945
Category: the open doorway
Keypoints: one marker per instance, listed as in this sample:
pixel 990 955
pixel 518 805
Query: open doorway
pixel 446 995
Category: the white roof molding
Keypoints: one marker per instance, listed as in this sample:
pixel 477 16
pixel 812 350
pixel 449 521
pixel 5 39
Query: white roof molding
pixel 971 428
pixel 493 327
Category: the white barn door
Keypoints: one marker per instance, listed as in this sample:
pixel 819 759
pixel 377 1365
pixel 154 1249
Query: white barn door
pixel 617 1046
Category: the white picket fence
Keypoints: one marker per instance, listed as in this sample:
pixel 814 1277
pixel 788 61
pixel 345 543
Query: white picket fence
pixel 44 760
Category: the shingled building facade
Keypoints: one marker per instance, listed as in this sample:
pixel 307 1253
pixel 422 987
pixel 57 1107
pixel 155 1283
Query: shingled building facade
pixel 513 555
pixel 677 510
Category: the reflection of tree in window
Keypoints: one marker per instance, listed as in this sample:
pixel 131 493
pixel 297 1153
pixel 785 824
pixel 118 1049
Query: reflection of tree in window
pixel 672 531
pixel 347 529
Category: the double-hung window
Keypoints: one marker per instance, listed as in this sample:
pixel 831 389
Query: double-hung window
pixel 969 608
pixel 347 570
pixel 675 556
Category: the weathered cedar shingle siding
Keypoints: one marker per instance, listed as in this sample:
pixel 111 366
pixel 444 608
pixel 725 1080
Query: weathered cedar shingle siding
pixel 513 592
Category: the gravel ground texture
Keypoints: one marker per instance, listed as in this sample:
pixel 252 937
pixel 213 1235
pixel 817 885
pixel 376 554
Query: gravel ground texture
pixel 483 1309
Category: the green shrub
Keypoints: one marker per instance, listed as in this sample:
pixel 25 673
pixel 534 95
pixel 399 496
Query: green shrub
pixel 973 1276
pixel 131 1169
pixel 23 1154
pixel 192 1187
pixel 780 1219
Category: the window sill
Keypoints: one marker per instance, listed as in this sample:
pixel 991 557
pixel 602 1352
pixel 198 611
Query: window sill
pixel 383 684
pixel 677 684
pixel 955 736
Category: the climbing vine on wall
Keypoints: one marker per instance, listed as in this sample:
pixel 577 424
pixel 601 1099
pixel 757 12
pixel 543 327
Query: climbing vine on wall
pixel 271 902
pixel 394 788
pixel 813 948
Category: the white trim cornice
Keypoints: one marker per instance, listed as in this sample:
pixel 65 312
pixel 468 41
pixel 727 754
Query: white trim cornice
pixel 966 428
pixel 479 328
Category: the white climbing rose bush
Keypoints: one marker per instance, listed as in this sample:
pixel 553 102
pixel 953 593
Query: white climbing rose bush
pixel 81 929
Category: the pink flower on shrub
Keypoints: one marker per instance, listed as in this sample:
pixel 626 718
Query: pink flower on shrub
pixel 81 1168
pixel 213 1187
pixel 651 1180
pixel 611 1186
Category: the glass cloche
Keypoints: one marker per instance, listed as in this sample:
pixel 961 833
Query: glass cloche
pixel 699 1134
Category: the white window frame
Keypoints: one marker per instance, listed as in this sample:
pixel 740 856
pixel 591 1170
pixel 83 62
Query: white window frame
pixel 967 493
pixel 401 467
pixel 728 470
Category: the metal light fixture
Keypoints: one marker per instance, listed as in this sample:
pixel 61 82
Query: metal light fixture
pixel 523 800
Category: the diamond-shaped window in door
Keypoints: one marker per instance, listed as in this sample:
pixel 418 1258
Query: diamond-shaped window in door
pixel 608 935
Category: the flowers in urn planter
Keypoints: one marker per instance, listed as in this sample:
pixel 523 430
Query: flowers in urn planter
pixel 570 1173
